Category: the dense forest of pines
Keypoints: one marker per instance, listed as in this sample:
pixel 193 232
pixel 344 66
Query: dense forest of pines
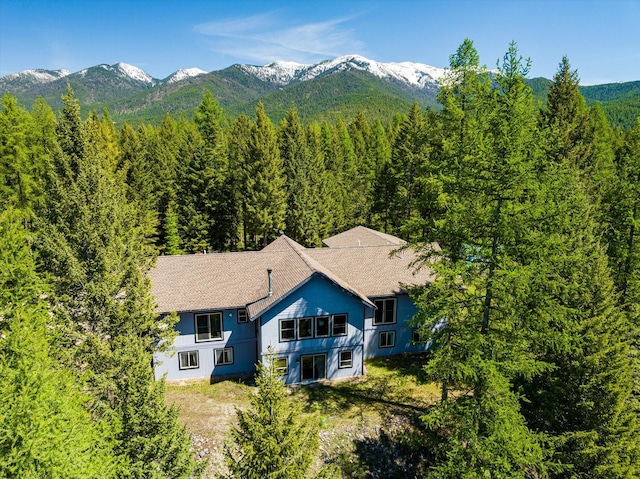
pixel 536 214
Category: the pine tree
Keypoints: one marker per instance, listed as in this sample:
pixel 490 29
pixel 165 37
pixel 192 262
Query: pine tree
pixel 90 241
pixel 303 194
pixel 273 439
pixel 477 298
pixel 19 168
pixel 47 429
pixel 266 197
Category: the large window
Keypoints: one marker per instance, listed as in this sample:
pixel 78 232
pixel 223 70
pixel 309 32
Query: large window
pixel 340 325
pixel 224 356
pixel 188 359
pixel 313 367
pixel 318 327
pixel 209 326
pixel 385 312
pixel 387 339
pixel 346 359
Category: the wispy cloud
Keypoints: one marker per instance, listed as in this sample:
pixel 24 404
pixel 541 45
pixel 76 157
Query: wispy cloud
pixel 262 39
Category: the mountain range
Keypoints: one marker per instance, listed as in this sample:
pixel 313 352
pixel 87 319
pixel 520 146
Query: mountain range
pixel 326 90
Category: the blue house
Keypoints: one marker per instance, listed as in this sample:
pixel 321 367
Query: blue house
pixel 321 310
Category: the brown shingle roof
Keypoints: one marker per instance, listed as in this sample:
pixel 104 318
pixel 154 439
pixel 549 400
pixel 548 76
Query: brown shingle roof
pixel 362 236
pixel 235 280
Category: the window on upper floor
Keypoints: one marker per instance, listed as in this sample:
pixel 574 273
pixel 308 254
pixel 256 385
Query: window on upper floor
pixel 224 356
pixel 322 326
pixel 387 339
pixel 305 328
pixel 346 359
pixel 316 327
pixel 339 325
pixel 385 312
pixel 208 326
pixel 188 360
pixel 287 329
pixel 242 315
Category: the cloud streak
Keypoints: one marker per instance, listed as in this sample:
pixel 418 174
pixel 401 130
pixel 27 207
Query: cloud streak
pixel 260 38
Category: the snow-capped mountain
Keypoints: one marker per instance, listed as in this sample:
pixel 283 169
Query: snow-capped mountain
pixel 183 73
pixel 417 75
pixel 39 75
pixel 123 70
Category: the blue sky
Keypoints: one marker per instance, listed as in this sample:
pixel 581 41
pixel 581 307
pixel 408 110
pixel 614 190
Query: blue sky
pixel 600 37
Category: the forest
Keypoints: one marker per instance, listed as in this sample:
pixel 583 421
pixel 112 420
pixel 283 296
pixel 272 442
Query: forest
pixel 535 212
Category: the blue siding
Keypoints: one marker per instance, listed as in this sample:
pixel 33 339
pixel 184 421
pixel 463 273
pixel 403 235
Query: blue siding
pixel 318 297
pixel 239 336
pixel 405 310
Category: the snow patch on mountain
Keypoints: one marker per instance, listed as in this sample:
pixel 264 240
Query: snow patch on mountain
pixel 134 73
pixel 280 73
pixel 413 74
pixel 39 75
pixel 183 73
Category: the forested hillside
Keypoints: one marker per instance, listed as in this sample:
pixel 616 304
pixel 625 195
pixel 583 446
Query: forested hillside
pixel 534 206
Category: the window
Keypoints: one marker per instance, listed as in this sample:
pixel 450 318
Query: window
pixel 305 328
pixel 287 329
pixel 387 339
pixel 188 360
pixel 208 326
pixel 224 356
pixel 340 325
pixel 282 366
pixel 417 337
pixel 242 315
pixel 386 312
pixel 322 326
pixel 313 367
pixel 346 359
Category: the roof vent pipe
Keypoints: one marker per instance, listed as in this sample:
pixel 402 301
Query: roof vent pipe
pixel 270 282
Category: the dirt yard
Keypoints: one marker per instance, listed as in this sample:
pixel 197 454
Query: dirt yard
pixel 370 428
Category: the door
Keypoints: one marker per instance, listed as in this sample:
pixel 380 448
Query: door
pixel 314 366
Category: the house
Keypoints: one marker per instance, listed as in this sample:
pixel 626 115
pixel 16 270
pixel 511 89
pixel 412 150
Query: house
pixel 321 310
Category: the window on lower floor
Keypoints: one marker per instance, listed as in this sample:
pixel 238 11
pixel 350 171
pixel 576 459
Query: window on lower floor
pixel 385 312
pixel 339 325
pixel 386 339
pixel 188 359
pixel 314 366
pixel 224 356
pixel 208 326
pixel 418 337
pixel 346 359
pixel 282 366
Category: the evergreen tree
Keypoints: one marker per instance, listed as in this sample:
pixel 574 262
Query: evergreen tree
pixel 273 438
pixel 238 148
pixel 480 278
pixel 92 244
pixel 302 217
pixel 266 196
pixel 47 430
pixel 19 169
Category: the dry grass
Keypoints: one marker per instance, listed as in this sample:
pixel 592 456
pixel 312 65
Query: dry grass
pixel 365 421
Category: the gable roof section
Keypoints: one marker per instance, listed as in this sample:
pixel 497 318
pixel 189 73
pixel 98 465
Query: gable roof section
pixel 362 236
pixel 202 282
